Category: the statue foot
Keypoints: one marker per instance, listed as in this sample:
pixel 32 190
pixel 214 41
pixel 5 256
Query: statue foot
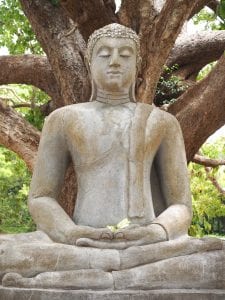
pixel 80 279
pixel 12 279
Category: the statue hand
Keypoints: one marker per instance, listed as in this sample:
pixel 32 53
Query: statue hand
pixel 128 237
pixel 149 234
pixel 88 232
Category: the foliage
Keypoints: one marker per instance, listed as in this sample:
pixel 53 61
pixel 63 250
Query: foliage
pixel 15 94
pixel 16 33
pixel 208 202
pixel 169 87
pixel 208 20
pixel 14 175
pixel 17 36
pixel 221 13
pixel 205 71
pixel 14 184
pixel 36 98
pixel 54 2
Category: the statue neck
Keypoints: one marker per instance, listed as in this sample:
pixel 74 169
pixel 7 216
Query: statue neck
pixel 113 98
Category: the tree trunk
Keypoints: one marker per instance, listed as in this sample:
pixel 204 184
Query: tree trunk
pixel 192 52
pixel 18 135
pixel 200 110
pixel 20 69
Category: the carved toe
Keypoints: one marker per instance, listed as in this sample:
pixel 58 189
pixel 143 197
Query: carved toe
pixel 12 279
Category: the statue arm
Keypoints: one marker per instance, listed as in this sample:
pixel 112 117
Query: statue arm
pixel 174 182
pixel 52 161
pixel 48 177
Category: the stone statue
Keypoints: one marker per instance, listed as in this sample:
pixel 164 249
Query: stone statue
pixel 130 164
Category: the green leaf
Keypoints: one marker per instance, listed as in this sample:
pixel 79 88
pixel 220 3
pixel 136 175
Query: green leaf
pixel 221 10
pixel 122 224
pixel 16 33
pixel 55 2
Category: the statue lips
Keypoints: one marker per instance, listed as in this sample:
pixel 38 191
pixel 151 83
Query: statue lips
pixel 114 72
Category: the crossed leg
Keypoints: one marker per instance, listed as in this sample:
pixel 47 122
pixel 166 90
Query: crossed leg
pixel 201 270
pixel 66 266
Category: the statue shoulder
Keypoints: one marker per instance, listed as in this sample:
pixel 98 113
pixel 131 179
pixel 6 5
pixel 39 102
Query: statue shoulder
pixel 157 112
pixel 165 117
pixel 66 112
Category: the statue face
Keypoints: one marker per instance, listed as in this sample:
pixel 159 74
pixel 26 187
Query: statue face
pixel 113 64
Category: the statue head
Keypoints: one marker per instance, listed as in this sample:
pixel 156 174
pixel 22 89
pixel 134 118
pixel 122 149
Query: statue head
pixel 113 30
pixel 113 57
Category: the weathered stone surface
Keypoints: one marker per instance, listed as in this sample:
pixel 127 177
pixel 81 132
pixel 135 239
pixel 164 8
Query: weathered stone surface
pixel 115 143
pixel 59 265
pixel 40 294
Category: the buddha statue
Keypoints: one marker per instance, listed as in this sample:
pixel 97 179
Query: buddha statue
pixel 130 164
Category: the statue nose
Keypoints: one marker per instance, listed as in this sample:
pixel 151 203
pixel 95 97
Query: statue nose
pixel 114 61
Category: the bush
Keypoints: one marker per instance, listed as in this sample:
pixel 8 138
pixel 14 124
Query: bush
pixel 208 203
pixel 14 185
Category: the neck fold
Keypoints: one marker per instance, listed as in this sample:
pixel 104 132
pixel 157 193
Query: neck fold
pixel 114 98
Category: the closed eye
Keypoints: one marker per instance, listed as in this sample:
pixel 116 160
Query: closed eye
pixel 124 55
pixel 104 55
pixel 126 52
pixel 104 52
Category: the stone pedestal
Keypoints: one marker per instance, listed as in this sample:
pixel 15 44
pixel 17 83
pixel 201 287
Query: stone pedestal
pixel 41 294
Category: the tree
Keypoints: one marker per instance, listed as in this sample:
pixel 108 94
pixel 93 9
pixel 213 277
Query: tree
pixel 62 28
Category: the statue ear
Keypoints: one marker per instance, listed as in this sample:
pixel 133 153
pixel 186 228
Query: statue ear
pixel 93 91
pixel 93 86
pixel 87 64
pixel 132 93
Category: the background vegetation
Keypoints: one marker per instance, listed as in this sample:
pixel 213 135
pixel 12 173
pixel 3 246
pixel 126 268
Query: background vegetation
pixel 207 199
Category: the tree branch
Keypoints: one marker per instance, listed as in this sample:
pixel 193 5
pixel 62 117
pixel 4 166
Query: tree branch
pixel 137 13
pixel 192 52
pixel 214 181
pixel 28 69
pixel 199 6
pixel 18 135
pixel 65 48
pixel 21 105
pixel 207 162
pixel 129 14
pixel 200 110
pixel 90 15
pixel 213 4
pixel 157 40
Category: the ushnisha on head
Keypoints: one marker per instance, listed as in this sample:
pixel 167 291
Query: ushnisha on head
pixel 113 30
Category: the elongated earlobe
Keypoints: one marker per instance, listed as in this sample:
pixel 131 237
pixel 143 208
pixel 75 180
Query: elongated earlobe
pixel 93 91
pixel 132 93
pixel 93 86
